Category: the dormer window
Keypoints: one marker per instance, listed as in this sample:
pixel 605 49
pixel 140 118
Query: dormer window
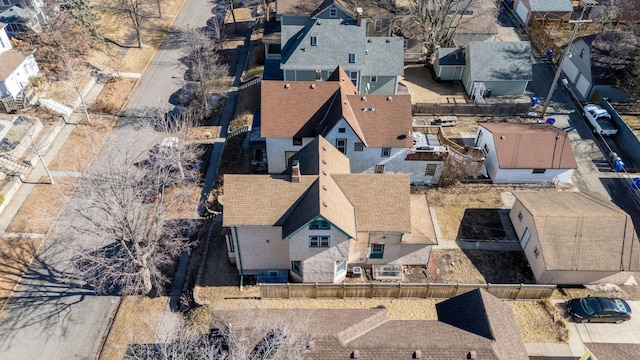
pixel 352 58
pixel 342 130
pixel 314 41
pixel 333 12
pixel 319 225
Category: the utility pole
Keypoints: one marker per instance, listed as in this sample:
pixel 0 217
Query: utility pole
pixel 567 50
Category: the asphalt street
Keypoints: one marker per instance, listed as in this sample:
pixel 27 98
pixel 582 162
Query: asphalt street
pixel 49 317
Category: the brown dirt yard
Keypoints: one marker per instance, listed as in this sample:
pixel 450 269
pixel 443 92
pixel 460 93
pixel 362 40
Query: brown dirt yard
pixel 424 89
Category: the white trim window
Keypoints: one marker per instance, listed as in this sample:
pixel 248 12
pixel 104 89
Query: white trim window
pixel 296 267
pixel 341 267
pixel 333 12
pixel 318 241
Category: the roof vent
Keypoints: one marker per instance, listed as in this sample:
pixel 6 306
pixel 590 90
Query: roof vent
pixel 311 345
pixel 372 109
pixel 324 148
pixel 355 354
pixel 369 40
pixel 303 49
pixel 325 205
pixel 364 98
pixel 287 86
pixel 324 188
pixel 417 354
pixel 388 41
pixel 389 98
pixel 324 173
pixel 312 87
pixel 345 101
pixel 472 355
pixel 364 109
pixel 324 161
pixel 318 22
pixel 502 137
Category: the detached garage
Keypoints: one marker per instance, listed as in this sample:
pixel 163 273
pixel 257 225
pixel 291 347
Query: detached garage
pixel 542 9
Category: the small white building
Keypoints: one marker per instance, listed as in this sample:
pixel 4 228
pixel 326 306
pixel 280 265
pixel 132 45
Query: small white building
pixel 16 68
pixel 526 153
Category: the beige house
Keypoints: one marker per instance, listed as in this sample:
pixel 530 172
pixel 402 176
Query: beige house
pixel 315 219
pixel 575 237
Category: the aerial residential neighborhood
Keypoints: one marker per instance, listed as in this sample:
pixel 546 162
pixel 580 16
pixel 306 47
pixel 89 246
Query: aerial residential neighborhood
pixel 319 179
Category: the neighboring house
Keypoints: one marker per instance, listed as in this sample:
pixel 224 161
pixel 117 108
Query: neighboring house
pixel 575 237
pixel 20 15
pixel 16 68
pixel 600 63
pixel 313 44
pixel 474 325
pixel 317 218
pixel 542 9
pixel 487 68
pixel 526 153
pixel 373 131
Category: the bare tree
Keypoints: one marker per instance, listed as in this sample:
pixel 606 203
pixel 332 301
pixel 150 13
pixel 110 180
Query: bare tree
pixel 132 209
pixel 138 12
pixel 252 334
pixel 438 20
pixel 205 68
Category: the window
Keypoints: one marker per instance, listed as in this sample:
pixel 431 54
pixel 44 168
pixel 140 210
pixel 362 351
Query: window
pixel 377 251
pixel 536 252
pixel 296 267
pixel 358 146
pixel 479 138
pixel 486 149
pixel 342 130
pixel 354 77
pixel 374 78
pixel 318 241
pixel 431 170
pixel 539 171
pixel 378 25
pixel 341 145
pixel 230 244
pixel 519 216
pixel 314 41
pixel 379 169
pixel 406 44
pixel 524 240
pixel 582 53
pixel 319 225
pixel 341 267
pixel 352 58
pixel 333 12
pixel 287 156
pixel 386 152
pixel 297 141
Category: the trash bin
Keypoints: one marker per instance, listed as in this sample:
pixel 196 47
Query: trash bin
pixel 549 54
pixel 636 183
pixel 551 121
pixel 618 165
pixel 534 101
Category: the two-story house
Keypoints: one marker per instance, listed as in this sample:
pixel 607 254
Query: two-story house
pixel 373 131
pixel 309 46
pixel 316 218
pixel 16 67
pixel 20 15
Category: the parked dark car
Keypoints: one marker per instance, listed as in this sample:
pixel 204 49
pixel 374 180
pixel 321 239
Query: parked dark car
pixel 599 309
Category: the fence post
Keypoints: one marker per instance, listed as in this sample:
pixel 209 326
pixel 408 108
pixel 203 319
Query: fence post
pixel 370 290
pixel 344 290
pixel 315 290
pixel 519 292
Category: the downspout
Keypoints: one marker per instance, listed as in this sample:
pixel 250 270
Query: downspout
pixel 235 229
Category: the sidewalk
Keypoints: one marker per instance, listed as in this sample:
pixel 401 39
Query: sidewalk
pixel 33 176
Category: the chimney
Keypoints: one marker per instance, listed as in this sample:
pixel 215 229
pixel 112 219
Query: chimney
pixel 359 16
pixel 472 355
pixel 295 171
pixel 417 354
pixel 355 354
pixel 311 345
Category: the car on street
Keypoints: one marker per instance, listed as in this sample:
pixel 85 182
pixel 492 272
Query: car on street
pixel 600 119
pixel 599 309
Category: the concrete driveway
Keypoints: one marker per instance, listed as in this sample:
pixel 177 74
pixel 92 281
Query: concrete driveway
pixel 628 332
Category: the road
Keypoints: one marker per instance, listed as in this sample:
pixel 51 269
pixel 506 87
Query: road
pixel 50 318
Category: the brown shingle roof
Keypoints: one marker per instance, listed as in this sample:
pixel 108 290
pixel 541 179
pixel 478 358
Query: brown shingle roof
pixel 603 351
pixel 9 61
pixel 337 333
pixel 580 231
pixel 382 203
pixel 310 108
pixel 531 146
pixel 300 7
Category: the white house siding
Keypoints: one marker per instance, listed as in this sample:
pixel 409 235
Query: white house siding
pixel 261 248
pixel 318 264
pixel 5 44
pixel 570 71
pixel 491 158
pixel 19 78
pixel 513 87
pixel 583 277
pixel 449 72
pixel 276 148
pixel 526 176
pixel 584 87
pixel 522 11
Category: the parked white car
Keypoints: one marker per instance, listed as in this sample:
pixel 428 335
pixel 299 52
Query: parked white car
pixel 600 119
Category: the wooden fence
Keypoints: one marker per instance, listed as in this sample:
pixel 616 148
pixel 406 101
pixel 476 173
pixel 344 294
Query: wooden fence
pixel 401 290
pixel 471 109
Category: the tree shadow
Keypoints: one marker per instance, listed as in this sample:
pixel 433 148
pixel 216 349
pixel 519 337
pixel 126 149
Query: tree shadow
pixel 481 225
pixel 46 292
pixel 501 267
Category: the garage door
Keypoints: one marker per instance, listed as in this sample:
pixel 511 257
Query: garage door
pixel 522 12
pixel 583 86
pixel 570 71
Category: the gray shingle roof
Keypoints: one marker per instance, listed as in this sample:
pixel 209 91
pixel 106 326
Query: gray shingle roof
pixel 495 61
pixel 551 5
pixel 337 38
pixel 451 56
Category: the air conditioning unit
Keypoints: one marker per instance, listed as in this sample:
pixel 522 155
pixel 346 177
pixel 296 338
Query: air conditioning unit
pixel 357 271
